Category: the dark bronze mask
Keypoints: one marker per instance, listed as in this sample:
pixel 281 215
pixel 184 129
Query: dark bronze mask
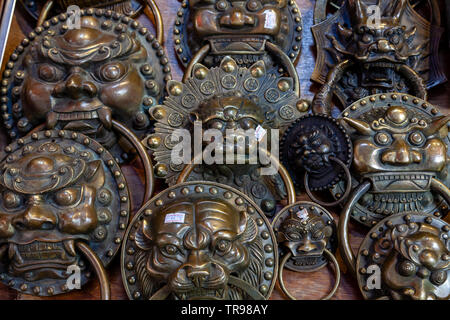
pixel 360 56
pixel 317 151
pixel 305 230
pixel 83 79
pixel 306 236
pixel 58 188
pixel 400 146
pixel 240 29
pixel 199 240
pixel 405 257
pixel 224 98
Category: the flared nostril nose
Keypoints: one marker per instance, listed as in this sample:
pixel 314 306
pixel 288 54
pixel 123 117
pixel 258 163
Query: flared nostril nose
pixel 197 276
pixel 77 86
pixel 37 216
pixel 306 247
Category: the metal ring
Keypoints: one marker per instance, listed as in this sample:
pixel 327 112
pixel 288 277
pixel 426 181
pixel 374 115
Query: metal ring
pixel 105 289
pixel 290 189
pixel 44 12
pixel 344 242
pixel 347 190
pixel 337 273
pixel 199 56
pixel 271 48
pixel 159 25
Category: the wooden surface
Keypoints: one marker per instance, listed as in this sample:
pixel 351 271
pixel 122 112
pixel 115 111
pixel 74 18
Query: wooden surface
pixel 302 285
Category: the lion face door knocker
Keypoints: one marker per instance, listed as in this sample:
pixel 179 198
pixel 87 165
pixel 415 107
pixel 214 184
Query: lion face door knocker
pixel 306 236
pixel 85 79
pixel 317 152
pixel 400 146
pixel 64 207
pixel 41 10
pixel 405 257
pixel 248 31
pixel 358 58
pixel 218 100
pixel 199 240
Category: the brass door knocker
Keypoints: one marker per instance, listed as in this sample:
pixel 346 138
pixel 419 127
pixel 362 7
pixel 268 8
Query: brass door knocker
pixel 41 10
pixel 222 98
pixel 317 152
pixel 357 58
pixel 400 152
pixel 173 248
pixel 64 207
pixel 403 257
pixel 249 31
pixel 70 78
pixel 306 236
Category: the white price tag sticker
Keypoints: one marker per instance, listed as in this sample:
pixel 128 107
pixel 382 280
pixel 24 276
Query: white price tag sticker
pixel 303 214
pixel 177 217
pixel 260 132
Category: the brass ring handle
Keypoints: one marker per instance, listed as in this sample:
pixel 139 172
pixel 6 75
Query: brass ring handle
pixel 197 58
pixel 159 25
pixel 290 189
pixel 337 273
pixel 145 158
pixel 253 293
pixel 290 68
pixel 44 12
pixel 343 236
pixel 441 189
pixel 348 189
pixel 105 290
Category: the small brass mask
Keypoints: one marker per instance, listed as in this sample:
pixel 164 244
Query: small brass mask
pixel 82 79
pixel 305 230
pixel 404 257
pixel 239 29
pixel 400 145
pixel 199 240
pixel 57 189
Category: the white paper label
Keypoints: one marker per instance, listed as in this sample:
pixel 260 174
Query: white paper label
pixel 260 132
pixel 177 217
pixel 303 214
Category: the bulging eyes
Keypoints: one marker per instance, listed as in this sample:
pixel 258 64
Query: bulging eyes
pixel 382 138
pixel 294 236
pixel 416 138
pixel 223 245
pixel 222 5
pixel 247 124
pixel 49 73
pixel 66 197
pixel 11 200
pixel 407 268
pixel 318 235
pixel 170 249
pixel 254 5
pixel 439 277
pixel 112 71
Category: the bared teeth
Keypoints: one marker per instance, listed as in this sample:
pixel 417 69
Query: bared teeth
pixel 52 119
pixel 13 253
pixel 69 245
pixel 105 116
